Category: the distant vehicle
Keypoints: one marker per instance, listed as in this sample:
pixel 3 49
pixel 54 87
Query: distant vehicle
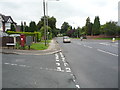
pixel 66 39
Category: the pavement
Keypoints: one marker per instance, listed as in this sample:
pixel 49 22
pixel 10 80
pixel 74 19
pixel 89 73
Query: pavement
pixel 53 48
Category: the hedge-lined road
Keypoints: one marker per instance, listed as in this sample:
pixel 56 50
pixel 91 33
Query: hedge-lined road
pixel 81 64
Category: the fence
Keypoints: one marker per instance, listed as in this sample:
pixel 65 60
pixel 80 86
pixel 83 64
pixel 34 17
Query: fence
pixel 8 40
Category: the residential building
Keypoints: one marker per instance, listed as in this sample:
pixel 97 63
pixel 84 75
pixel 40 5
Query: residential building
pixel 5 22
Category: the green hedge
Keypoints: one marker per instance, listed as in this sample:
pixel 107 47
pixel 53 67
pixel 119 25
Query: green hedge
pixel 37 35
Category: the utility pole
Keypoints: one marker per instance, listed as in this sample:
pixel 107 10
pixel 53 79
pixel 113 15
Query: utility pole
pixel 44 22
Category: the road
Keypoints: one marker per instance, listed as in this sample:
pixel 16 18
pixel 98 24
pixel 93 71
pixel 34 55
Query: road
pixel 80 64
pixel 32 71
pixel 93 62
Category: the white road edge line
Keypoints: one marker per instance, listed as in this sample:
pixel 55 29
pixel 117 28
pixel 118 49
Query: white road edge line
pixel 77 86
pixel 6 63
pixel 58 64
pixel 107 52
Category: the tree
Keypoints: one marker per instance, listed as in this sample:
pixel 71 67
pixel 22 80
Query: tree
pixel 110 28
pixel 96 26
pixel 21 27
pixel 65 27
pixel 87 26
pixel 48 34
pixel 26 29
pixel 12 27
pixel 51 24
pixel 32 27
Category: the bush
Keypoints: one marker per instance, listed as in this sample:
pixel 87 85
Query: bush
pixel 37 35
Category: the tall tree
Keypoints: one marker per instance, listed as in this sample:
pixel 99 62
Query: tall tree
pixel 32 26
pixel 96 26
pixel 65 27
pixel 110 28
pixel 51 23
pixel 87 26
pixel 26 29
pixel 22 27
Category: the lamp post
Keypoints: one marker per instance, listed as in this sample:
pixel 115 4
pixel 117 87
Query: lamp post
pixel 47 15
pixel 44 22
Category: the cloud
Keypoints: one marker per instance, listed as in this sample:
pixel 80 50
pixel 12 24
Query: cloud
pixel 74 12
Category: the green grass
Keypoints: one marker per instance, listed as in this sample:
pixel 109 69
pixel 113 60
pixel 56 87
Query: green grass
pixel 34 46
pixel 106 38
pixel 38 46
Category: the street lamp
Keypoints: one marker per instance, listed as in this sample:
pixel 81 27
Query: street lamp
pixel 44 22
pixel 47 15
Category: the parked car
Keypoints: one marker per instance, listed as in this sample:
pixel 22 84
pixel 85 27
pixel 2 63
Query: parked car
pixel 66 39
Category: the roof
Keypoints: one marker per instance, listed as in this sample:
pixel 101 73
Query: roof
pixel 6 18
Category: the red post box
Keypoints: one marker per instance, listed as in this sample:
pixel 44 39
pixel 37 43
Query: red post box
pixel 22 40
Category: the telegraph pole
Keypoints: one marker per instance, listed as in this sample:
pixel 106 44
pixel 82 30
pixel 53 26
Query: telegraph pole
pixel 44 22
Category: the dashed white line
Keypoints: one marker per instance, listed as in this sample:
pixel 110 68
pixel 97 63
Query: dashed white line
pixel 87 46
pixel 107 52
pixel 22 65
pixel 14 64
pixel 61 55
pixel 65 64
pixel 59 69
pixel 77 86
pixel 6 63
pixel 57 60
pixel 68 69
pixel 58 64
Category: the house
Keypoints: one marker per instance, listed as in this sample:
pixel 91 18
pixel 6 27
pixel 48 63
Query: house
pixel 5 22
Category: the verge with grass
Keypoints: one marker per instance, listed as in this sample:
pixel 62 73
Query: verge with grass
pixel 106 38
pixel 39 46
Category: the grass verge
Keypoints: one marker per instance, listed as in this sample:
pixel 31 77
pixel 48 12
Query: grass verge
pixel 38 46
pixel 106 38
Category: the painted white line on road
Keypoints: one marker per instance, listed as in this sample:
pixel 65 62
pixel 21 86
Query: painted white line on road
pixel 6 63
pixel 68 69
pixel 77 86
pixel 61 55
pixel 63 59
pixel 107 52
pixel 57 60
pixel 58 64
pixel 56 56
pixel 22 65
pixel 65 64
pixel 14 64
pixel 59 69
pixel 87 46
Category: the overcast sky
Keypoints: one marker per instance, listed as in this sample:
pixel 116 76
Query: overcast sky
pixel 74 12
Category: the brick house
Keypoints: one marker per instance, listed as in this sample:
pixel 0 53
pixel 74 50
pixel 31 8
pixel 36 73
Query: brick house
pixel 5 23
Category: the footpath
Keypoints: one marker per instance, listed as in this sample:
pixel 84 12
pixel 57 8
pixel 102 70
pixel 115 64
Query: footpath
pixel 53 48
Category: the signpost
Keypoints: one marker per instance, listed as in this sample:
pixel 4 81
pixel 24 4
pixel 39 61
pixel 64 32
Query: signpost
pixel 29 41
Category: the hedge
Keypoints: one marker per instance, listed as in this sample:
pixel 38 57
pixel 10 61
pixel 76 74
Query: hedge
pixel 37 35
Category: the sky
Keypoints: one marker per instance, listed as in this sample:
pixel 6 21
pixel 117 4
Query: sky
pixel 75 12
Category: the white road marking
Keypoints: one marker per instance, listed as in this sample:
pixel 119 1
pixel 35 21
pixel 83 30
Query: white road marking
pixel 65 64
pixel 107 52
pixel 77 86
pixel 6 63
pixel 14 64
pixel 56 56
pixel 58 64
pixel 61 55
pixel 63 59
pixel 59 69
pixel 57 60
pixel 87 46
pixel 22 65
pixel 68 69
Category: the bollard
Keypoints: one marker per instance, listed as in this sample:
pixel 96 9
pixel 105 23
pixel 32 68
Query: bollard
pixel 113 40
